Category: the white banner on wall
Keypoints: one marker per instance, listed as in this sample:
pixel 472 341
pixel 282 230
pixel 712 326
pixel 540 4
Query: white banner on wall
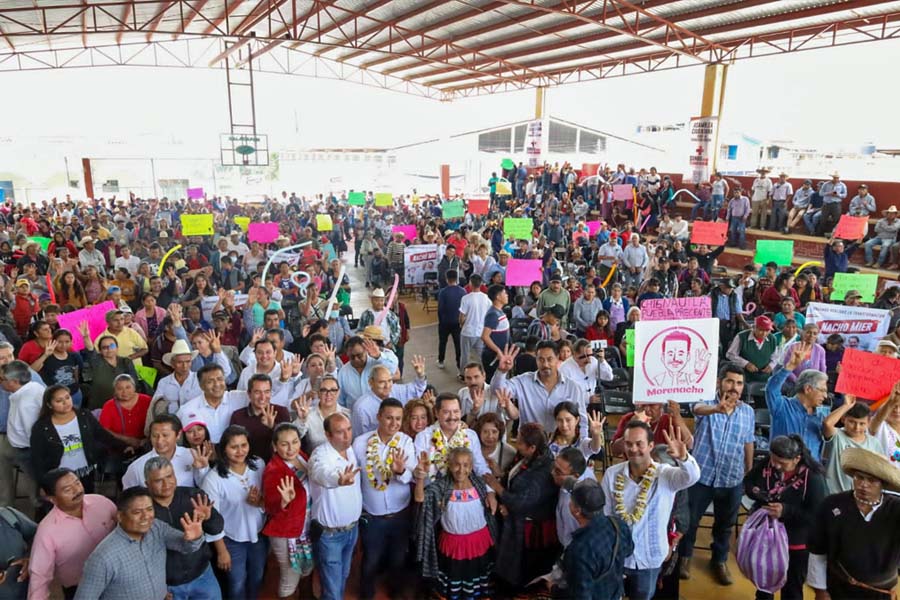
pixel 703 138
pixel 860 327
pixel 533 147
pixel 418 260
pixel 675 360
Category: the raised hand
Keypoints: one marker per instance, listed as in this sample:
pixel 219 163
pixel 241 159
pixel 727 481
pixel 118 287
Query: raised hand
pixel 301 406
pixel 348 475
pixel 418 363
pixel 192 527
pixel 399 464
pixel 287 491
pixel 507 358
pixel 202 455
pixel 215 341
pixel 287 369
pixel 268 416
pixel 477 395
pixel 641 414
pixel 423 466
pixel 677 448
pixel 202 507
pixel 371 348
pixel 51 347
pixel 596 421
pixel 258 334
pixel 428 399
pixel 799 353
pixel 296 365
pixel 84 329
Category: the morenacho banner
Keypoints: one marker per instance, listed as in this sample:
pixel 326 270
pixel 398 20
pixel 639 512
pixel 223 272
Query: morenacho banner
pixel 675 360
pixel 860 327
pixel 418 260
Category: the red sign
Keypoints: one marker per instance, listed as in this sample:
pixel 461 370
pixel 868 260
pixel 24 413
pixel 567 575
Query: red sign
pixel 589 170
pixel 851 228
pixel 867 375
pixel 712 234
pixel 479 207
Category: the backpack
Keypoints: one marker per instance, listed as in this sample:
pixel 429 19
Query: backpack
pixel 762 551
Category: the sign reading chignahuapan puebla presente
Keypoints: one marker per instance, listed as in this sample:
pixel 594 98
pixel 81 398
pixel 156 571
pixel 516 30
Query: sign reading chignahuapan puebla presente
pixel 675 360
pixel 672 309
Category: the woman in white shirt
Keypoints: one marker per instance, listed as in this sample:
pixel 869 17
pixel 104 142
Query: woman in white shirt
pixel 311 416
pixel 568 424
pixel 235 486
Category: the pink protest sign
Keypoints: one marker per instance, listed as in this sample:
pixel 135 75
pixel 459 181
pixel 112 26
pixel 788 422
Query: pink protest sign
pixel 867 375
pixel 523 272
pixel 479 206
pixel 195 193
pixel 408 231
pixel 264 233
pixel 674 309
pixel 594 227
pixel 623 191
pixel 706 232
pixel 851 228
pixel 95 317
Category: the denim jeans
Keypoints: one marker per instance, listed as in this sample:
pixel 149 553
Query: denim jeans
pixel 204 587
pixel 778 218
pixel 333 553
pixel 715 205
pixel 726 502
pixel 882 254
pixel 737 231
pixel 699 207
pixel 248 561
pixel 384 542
pixel 811 221
pixel 640 584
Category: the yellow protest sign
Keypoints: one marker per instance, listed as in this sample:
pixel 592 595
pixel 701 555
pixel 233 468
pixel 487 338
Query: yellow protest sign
pixel 384 199
pixel 196 225
pixel 243 222
pixel 504 188
pixel 323 223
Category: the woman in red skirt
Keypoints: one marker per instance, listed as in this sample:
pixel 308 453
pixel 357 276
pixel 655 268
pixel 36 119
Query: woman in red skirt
pixel 455 529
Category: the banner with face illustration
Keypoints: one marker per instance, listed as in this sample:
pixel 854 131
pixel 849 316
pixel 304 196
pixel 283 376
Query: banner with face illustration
pixel 675 360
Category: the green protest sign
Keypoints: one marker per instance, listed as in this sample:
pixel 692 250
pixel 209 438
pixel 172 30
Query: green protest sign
pixel 781 252
pixel 148 374
pixel 518 228
pixel 454 210
pixel 44 242
pixel 356 198
pixel 864 283
pixel 629 347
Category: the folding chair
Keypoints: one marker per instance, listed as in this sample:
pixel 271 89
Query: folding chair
pixel 620 381
pixel 756 394
pixel 616 402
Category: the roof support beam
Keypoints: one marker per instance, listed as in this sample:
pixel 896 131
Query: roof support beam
pixel 318 32
pixel 192 13
pixel 230 7
pixel 126 13
pixel 154 24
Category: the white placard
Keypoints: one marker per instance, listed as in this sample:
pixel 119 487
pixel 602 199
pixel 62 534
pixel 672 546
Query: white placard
pixel 860 327
pixel 675 360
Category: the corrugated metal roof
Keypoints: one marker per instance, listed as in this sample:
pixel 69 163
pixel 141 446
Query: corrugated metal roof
pixel 443 48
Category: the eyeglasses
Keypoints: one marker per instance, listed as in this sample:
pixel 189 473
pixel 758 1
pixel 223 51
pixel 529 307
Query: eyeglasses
pixel 109 347
pixel 328 390
pixel 584 357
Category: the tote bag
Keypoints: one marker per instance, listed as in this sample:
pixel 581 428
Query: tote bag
pixel 762 551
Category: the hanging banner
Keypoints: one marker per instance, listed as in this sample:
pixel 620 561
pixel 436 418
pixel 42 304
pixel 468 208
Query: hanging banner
pixel 860 327
pixel 675 360
pixel 673 309
pixel 418 260
pixel 533 144
pixel 703 136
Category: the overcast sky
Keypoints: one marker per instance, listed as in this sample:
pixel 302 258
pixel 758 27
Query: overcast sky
pixel 844 96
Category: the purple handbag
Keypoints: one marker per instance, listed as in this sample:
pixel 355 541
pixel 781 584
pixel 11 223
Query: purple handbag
pixel 762 551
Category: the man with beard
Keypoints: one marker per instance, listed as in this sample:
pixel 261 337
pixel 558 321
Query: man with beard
pixel 67 535
pixel 723 447
pixel 855 544
pixel 131 561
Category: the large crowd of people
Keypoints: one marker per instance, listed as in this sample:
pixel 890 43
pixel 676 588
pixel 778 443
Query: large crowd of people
pixel 228 403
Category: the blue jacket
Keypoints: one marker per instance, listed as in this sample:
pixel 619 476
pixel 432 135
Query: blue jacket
pixel 449 300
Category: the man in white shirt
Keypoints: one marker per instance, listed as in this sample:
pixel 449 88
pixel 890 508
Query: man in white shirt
pixel 91 257
pixel 364 355
pixel 761 189
pixel 642 492
pixel 336 505
pixel 782 191
pixel 472 309
pixel 585 368
pixel 446 433
pixel 235 244
pixel 216 405
pixel 477 399
pixel 164 432
pixel 128 261
pixel 283 375
pixel 182 384
pixel 382 387
pixel 25 399
pixel 385 527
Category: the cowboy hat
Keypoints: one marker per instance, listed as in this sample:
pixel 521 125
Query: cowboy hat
pixel 377 293
pixel 763 170
pixel 86 239
pixel 834 174
pixel 870 463
pixel 178 348
pixel 373 332
pixel 890 209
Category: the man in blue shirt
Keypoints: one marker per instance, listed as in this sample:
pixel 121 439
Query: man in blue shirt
pixel 723 447
pixel 833 193
pixel 449 300
pixel 803 414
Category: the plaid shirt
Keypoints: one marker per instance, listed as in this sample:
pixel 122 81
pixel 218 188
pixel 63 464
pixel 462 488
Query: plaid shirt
pixel 719 445
pixel 589 555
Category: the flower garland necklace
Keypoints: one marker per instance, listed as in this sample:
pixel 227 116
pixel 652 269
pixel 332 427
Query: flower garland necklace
pixel 457 440
pixel 375 464
pixel 640 504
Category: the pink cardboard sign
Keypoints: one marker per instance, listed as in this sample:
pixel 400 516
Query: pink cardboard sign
pixel 711 234
pixel 867 375
pixel 479 207
pixel 851 228
pixel 594 227
pixel 95 317
pixel 195 193
pixel 523 271
pixel 408 231
pixel 674 309
pixel 264 233
pixel 623 191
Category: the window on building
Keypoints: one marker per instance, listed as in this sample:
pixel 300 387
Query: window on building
pixel 591 143
pixel 495 141
pixel 732 152
pixel 521 131
pixel 562 138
